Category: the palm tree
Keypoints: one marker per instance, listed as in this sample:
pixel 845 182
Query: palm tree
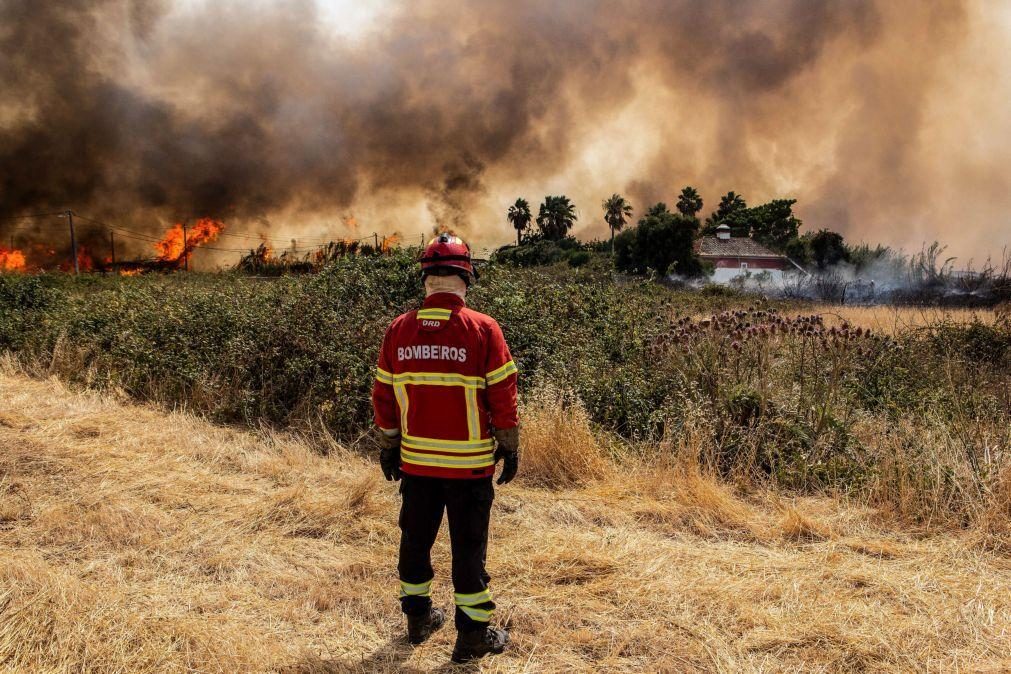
pixel 689 201
pixel 616 212
pixel 732 206
pixel 555 218
pixel 519 215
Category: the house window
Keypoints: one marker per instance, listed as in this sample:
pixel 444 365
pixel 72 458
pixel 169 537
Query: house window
pixel 744 265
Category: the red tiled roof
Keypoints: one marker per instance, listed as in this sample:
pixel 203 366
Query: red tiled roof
pixel 737 246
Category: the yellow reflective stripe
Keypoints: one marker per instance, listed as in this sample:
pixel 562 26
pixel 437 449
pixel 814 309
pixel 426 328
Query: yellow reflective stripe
pixel 480 461
pixel 501 373
pixel 449 451
pixel 473 421
pixel 416 589
pixel 435 314
pixel 472 599
pixel 384 376
pixel 400 391
pixel 477 614
pixel 438 379
pixel 448 445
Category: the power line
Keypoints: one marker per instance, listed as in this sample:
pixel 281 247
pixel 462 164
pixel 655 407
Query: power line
pixel 258 237
pixel 132 234
pixel 33 215
pixel 320 242
pixel 252 237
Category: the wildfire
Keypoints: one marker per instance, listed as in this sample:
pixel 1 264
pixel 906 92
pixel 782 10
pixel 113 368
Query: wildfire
pixel 12 260
pixel 84 261
pixel 265 251
pixel 178 243
pixel 129 272
pixel 389 242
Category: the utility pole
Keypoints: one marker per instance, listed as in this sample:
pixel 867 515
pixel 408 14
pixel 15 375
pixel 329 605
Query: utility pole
pixel 376 236
pixel 112 247
pixel 73 242
pixel 186 252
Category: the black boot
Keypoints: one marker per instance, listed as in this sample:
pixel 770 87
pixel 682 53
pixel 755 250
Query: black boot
pixel 420 627
pixel 478 643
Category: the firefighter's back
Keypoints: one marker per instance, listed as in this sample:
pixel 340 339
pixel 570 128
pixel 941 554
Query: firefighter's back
pixel 441 360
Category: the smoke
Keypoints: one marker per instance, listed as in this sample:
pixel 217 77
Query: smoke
pixel 441 113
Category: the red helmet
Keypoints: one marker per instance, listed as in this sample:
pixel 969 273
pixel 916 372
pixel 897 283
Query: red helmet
pixel 447 250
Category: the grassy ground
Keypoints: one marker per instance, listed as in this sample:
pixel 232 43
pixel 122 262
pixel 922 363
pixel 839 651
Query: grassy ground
pixel 133 539
pixel 892 320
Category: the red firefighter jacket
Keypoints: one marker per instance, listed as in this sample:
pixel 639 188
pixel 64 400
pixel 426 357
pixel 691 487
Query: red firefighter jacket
pixel 445 379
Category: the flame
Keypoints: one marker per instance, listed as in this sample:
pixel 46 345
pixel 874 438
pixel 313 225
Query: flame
pixel 351 222
pixel 266 248
pixel 44 250
pixel 389 242
pixel 129 272
pixel 176 243
pixel 12 260
pixel 84 261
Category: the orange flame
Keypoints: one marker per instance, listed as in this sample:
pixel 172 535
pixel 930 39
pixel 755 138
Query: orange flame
pixel 84 261
pixel 12 260
pixel 177 243
pixel 129 272
pixel 268 250
pixel 389 242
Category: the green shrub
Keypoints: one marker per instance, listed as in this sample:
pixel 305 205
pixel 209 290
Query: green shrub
pixel 662 242
pixel 780 395
pixel 537 251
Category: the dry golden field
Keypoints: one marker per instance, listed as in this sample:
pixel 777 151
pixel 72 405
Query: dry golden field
pixel 892 319
pixel 138 540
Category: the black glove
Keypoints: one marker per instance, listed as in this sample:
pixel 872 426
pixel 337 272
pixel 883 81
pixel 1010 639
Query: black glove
pixel 508 451
pixel 389 456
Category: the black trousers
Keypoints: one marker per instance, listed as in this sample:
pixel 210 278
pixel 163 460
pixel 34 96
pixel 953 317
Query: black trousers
pixel 468 506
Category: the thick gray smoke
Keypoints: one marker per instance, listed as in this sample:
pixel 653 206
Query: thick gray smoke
pixel 145 111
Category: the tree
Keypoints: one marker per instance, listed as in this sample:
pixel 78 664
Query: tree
pixel 689 202
pixel 863 257
pixel 827 248
pixel 662 241
pixel 657 209
pixel 556 217
pixel 520 216
pixel 798 249
pixel 773 224
pixel 732 211
pixel 616 212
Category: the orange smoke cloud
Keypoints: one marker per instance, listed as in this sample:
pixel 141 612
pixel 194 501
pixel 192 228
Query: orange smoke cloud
pixel 886 119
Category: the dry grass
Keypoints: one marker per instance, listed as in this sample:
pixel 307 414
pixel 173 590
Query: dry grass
pixel 560 450
pixel 891 320
pixel 137 540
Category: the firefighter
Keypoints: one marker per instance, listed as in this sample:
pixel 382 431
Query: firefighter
pixel 445 404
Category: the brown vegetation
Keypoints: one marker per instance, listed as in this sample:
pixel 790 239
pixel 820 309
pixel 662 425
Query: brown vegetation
pixel 137 540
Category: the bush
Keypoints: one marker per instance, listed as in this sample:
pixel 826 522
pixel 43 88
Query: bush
pixel 537 251
pixel 662 242
pixel 778 395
